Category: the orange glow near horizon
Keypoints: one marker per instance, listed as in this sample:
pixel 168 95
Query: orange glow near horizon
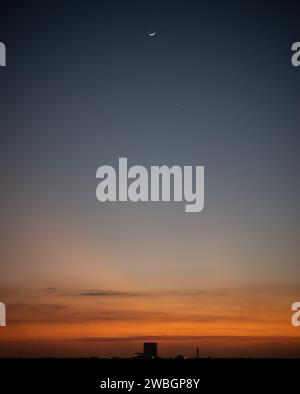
pixel 106 323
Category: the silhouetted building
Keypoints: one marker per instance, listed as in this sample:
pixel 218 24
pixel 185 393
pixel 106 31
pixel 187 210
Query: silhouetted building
pixel 150 350
pixel 197 352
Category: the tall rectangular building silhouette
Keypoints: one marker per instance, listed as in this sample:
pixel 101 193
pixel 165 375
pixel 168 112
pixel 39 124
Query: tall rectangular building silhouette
pixel 150 350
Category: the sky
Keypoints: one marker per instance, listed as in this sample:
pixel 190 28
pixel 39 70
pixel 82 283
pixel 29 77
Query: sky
pixel 84 85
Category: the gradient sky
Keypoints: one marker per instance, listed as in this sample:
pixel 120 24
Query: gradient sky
pixel 85 85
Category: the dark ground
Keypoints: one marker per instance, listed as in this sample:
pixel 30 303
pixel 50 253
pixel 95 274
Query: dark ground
pixel 85 375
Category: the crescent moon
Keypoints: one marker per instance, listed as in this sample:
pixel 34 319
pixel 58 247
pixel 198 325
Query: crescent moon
pixel 152 34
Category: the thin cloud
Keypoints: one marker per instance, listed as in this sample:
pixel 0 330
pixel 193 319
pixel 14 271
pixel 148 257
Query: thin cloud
pixel 108 293
pixel 144 338
pixel 35 307
pixel 50 289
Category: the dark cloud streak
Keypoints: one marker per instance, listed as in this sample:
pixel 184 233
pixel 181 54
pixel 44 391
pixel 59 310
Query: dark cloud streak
pixel 107 293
